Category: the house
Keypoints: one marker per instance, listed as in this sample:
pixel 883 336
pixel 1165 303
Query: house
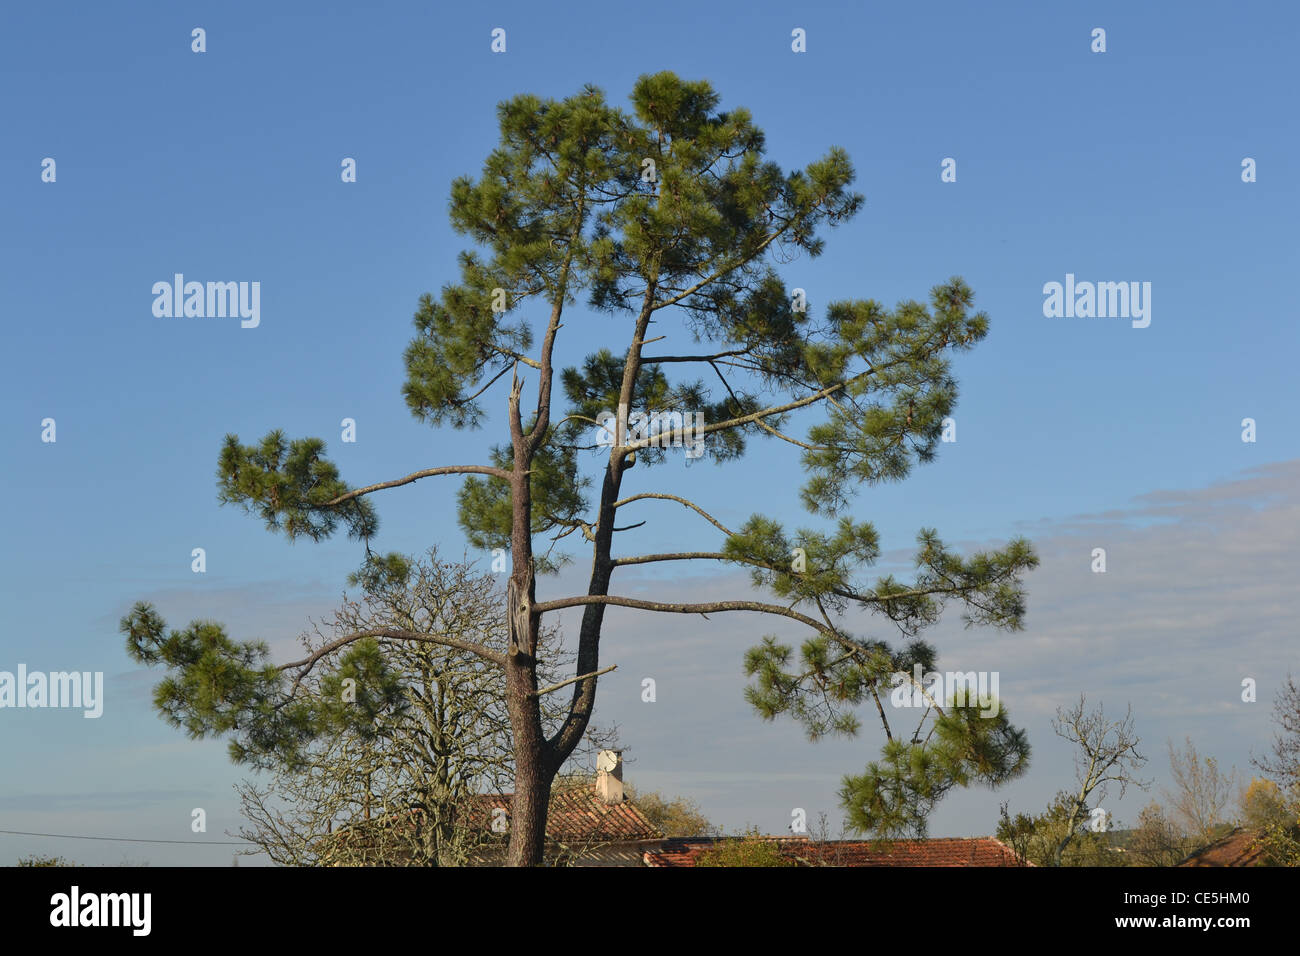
pixel 592 823
pixel 1238 848
pixel 588 824
pixel 585 825
pixel 945 851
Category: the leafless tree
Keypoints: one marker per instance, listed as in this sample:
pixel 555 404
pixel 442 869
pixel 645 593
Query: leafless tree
pixel 1283 763
pixel 1106 754
pixel 401 791
pixel 1200 794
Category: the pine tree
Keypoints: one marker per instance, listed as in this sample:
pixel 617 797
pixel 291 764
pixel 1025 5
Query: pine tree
pixel 668 216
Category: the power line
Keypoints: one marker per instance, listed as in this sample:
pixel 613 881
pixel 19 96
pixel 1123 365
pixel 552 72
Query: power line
pixel 73 836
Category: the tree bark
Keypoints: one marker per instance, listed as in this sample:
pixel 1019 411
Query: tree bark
pixel 602 563
pixel 533 773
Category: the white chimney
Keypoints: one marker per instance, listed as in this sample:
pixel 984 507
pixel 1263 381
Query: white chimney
pixel 609 776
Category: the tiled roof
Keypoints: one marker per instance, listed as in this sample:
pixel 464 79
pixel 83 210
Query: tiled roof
pixel 1235 849
pixel 578 814
pixel 947 851
pixel 684 851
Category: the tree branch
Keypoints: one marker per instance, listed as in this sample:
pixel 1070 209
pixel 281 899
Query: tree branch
pixel 762 247
pixel 693 358
pixel 608 600
pixel 416 476
pixel 574 680
pixel 393 633
pixel 816 396
pixel 690 504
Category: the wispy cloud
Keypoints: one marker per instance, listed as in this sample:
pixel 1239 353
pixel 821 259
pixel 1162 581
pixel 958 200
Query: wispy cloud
pixel 1189 606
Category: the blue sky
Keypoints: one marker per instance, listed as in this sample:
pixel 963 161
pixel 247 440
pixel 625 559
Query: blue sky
pixel 1115 166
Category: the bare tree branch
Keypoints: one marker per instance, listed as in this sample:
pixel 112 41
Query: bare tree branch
pixel 445 640
pixel 574 680
pixel 666 497
pixel 416 476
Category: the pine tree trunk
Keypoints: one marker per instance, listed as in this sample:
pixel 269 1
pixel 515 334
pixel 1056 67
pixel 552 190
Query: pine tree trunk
pixel 533 776
pixel 528 812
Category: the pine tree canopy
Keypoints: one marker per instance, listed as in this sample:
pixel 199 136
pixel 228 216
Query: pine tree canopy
pixel 669 223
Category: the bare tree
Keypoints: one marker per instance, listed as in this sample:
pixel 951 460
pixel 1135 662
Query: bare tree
pixel 1037 837
pixel 398 788
pixel 826 847
pixel 1107 753
pixel 1283 763
pixel 1201 793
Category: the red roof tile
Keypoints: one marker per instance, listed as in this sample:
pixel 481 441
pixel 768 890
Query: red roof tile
pixel 579 814
pixel 946 851
pixel 1238 848
pixel 684 851
pixel 576 815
